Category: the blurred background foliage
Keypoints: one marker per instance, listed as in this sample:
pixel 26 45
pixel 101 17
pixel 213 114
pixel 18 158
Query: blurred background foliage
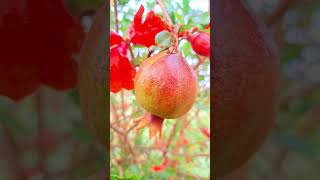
pixel 133 155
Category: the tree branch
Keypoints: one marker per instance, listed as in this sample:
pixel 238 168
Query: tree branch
pixel 165 13
pixel 42 161
pixel 115 6
pixel 173 130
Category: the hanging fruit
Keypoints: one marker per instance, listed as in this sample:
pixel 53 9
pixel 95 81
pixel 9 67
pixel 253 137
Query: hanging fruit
pixel 166 87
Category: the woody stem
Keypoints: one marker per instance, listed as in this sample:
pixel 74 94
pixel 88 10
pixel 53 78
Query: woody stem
pixel 165 12
pixel 175 36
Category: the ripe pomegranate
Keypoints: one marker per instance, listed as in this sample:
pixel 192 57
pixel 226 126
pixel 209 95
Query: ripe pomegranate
pixel 245 85
pixel 166 87
pixel 200 43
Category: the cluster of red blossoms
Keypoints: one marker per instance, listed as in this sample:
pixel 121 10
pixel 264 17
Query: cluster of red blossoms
pixel 38 41
pixel 122 73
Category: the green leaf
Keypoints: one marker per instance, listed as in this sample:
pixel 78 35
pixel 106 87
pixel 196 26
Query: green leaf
pixel 185 6
pixel 163 38
pixel 185 27
pixel 179 18
pixel 172 17
pixel 200 78
pixel 140 58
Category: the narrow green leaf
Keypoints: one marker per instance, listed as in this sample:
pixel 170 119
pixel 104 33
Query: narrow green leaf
pixel 179 17
pixel 172 17
pixel 185 27
pixel 185 6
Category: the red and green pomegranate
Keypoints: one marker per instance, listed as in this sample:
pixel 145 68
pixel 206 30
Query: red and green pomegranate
pixel 166 87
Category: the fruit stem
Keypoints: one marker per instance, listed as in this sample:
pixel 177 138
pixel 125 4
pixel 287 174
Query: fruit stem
pixel 174 40
pixel 166 15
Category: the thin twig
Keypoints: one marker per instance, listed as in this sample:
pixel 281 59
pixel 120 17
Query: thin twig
pixel 132 55
pixel 123 110
pixel 133 126
pixel 174 30
pixel 117 130
pixel 42 161
pixel 173 130
pixel 166 15
pixel 115 6
pixel 115 114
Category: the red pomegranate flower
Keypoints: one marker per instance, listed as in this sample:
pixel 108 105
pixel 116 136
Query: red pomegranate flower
pixel 200 43
pixel 122 72
pixel 205 132
pixel 161 167
pixel 38 40
pixel 144 33
pixel 116 41
pixel 208 26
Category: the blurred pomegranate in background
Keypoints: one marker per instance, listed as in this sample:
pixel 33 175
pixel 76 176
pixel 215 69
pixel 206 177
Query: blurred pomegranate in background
pixel 245 85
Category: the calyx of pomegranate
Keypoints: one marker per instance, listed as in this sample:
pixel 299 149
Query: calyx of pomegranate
pixel 166 87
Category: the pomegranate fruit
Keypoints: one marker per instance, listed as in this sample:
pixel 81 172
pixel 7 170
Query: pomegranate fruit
pixel 166 87
pixel 245 85
pixel 200 43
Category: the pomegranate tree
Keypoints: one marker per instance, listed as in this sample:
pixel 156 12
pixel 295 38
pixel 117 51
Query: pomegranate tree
pixel 158 74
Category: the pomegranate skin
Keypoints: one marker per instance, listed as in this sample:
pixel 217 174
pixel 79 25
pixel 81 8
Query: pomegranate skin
pixel 200 43
pixel 245 85
pixel 165 85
